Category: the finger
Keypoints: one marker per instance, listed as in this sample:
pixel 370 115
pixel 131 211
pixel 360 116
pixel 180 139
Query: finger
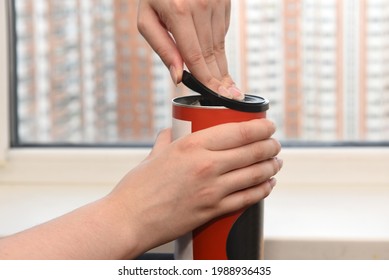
pixel 219 31
pixel 247 155
pixel 227 10
pixel 218 39
pixel 245 198
pixel 232 135
pixel 185 36
pixel 164 138
pixel 252 175
pixel 160 40
pixel 203 15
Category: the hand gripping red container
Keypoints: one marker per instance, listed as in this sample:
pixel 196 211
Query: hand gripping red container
pixel 238 235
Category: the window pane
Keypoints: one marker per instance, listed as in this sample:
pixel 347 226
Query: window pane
pixel 85 75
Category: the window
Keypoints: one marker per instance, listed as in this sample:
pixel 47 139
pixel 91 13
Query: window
pixel 69 91
pixel 56 44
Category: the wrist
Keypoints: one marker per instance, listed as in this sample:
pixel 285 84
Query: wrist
pixel 124 234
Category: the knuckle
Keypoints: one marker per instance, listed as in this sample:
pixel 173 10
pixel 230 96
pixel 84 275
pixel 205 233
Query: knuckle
pixel 219 47
pixel 203 4
pixel 163 51
pixel 227 79
pixel 209 55
pixel 208 198
pixel 179 7
pixel 263 171
pixel 257 176
pixel 245 133
pixel 194 58
pixel 188 144
pixel 142 25
pixel 205 168
pixel 258 153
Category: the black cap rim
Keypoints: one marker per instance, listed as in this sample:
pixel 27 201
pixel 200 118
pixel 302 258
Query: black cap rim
pixel 251 103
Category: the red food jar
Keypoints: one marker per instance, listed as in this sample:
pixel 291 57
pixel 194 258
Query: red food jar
pixel 237 235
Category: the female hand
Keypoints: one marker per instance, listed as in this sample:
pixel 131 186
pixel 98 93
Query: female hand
pixel 180 186
pixel 191 32
pixel 184 184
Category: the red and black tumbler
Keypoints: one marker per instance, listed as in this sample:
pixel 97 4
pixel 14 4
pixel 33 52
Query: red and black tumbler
pixel 239 235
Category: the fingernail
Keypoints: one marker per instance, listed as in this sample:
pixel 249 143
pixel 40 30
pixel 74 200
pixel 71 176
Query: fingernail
pixel 236 93
pixel 280 162
pixel 272 182
pixel 224 92
pixel 173 74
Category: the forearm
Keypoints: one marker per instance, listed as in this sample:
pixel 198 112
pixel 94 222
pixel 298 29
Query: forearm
pixel 164 197
pixel 95 231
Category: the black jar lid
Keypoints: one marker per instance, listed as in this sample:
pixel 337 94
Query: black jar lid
pixel 251 103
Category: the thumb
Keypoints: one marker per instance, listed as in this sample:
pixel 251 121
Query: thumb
pixel 164 138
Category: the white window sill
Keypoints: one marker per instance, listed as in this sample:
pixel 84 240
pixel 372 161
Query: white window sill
pixel 304 167
pixel 328 203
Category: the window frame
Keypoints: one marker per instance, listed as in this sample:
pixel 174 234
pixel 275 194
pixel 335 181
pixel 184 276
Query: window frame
pixel 4 86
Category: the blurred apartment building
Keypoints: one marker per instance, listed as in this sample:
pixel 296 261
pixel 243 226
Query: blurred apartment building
pixel 86 75
pixel 261 53
pixel 336 69
pixel 322 63
pixel 66 71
